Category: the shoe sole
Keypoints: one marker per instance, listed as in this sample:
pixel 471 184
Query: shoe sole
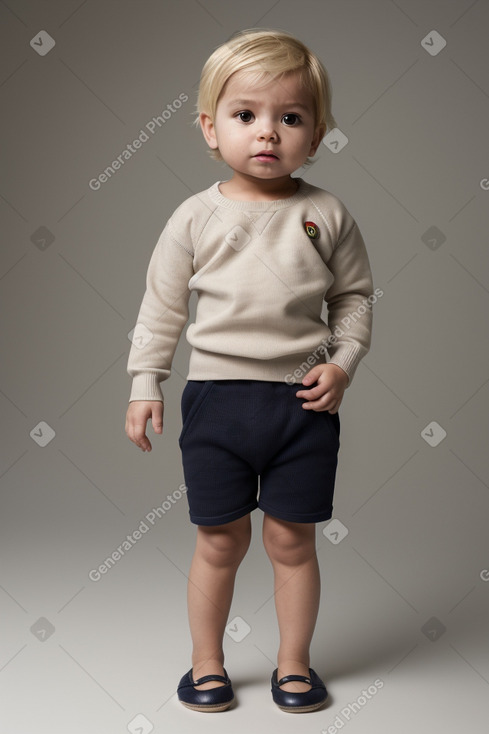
pixel 208 708
pixel 302 709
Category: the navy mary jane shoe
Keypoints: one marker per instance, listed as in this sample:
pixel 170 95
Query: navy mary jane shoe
pixel 213 699
pixel 299 703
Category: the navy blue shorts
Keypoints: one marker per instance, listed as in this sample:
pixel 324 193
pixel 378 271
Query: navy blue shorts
pixel 236 431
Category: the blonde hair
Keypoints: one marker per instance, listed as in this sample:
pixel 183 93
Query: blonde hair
pixel 264 53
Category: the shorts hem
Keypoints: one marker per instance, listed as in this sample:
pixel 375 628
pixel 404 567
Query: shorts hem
pixel 222 519
pixel 295 517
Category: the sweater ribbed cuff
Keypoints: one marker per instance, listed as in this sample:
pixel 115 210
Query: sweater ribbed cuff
pixel 347 356
pixel 145 386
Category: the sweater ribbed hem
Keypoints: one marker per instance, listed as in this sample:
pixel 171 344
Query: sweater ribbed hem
pixel 205 366
pixel 208 366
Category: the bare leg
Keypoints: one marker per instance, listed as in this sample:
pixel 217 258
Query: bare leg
pixel 291 548
pixel 218 552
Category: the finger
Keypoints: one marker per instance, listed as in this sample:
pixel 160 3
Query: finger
pixel 157 425
pixel 313 393
pixel 144 444
pixel 335 407
pixel 319 405
pixel 139 437
pixel 312 375
pixel 157 420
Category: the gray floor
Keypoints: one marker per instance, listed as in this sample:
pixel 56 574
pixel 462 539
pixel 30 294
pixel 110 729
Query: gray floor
pixel 402 637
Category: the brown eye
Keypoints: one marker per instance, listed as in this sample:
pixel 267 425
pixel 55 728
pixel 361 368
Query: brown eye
pixel 290 119
pixel 246 114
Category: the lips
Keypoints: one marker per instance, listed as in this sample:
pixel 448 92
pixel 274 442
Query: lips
pixel 266 154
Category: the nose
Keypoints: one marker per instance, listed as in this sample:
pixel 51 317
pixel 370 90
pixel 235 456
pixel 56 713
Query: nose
pixel 267 133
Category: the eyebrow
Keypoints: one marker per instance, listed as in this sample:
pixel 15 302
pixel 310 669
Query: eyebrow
pixel 245 102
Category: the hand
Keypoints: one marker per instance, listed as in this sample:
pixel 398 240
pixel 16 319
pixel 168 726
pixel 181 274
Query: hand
pixel 137 414
pixel 328 393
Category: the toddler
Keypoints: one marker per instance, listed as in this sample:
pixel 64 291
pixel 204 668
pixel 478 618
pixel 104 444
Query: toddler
pixel 264 251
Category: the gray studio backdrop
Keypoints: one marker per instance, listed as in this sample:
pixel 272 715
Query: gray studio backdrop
pixel 402 638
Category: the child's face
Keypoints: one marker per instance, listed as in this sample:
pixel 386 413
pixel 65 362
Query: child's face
pixel 278 117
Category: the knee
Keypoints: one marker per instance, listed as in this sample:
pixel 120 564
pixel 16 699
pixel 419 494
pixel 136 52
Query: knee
pixel 289 545
pixel 224 546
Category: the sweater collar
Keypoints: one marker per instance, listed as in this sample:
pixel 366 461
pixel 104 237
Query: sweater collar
pixel 273 205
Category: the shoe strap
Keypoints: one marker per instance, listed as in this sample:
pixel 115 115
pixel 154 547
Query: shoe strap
pixel 206 678
pixel 289 678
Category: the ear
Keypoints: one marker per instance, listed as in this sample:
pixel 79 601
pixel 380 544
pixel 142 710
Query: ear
pixel 318 136
pixel 208 129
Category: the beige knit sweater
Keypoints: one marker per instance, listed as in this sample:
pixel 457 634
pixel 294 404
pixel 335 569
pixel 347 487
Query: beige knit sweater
pixel 262 271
